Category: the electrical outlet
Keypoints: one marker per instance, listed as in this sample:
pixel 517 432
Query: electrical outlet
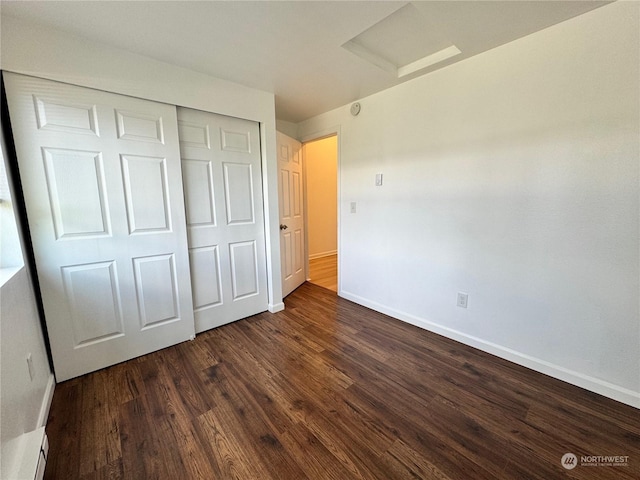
pixel 32 372
pixel 353 207
pixel 463 299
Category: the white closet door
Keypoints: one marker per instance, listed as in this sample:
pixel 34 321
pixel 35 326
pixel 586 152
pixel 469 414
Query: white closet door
pixel 102 183
pixel 225 221
pixel 290 186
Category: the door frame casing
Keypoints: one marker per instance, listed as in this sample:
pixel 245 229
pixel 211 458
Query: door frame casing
pixel 312 137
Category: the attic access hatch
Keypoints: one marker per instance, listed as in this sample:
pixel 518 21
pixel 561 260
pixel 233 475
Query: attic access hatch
pixel 402 43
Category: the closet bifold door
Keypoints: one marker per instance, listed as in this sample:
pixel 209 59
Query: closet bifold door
pixel 221 169
pixel 102 185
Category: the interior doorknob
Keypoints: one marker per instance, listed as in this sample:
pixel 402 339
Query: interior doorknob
pixel 283 226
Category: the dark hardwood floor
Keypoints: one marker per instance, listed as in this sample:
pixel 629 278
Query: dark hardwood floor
pixel 330 390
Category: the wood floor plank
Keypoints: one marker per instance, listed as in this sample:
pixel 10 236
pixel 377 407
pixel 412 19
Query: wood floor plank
pixel 100 434
pixel 110 471
pixel 575 431
pixel 362 463
pixel 405 463
pixel 162 396
pixel 125 383
pixel 64 426
pixel 328 389
pixel 187 380
pixel 403 419
pixel 323 272
pixel 192 455
pixel 199 353
pixel 260 437
pixel 312 456
pixel 220 443
pixel 293 358
pixel 143 454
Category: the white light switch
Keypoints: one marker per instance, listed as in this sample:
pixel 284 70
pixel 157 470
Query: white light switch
pixel 378 179
pixel 32 372
pixel 353 207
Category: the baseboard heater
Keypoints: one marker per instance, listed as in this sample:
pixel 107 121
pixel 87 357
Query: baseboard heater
pixel 32 451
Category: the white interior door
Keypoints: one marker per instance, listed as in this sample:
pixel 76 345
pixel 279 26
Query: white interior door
pixel 102 184
pixel 291 213
pixel 225 219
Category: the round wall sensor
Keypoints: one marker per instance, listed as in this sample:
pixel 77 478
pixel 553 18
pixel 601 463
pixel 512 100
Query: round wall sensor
pixel 355 109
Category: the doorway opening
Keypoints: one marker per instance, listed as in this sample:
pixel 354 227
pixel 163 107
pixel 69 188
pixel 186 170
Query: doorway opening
pixel 321 176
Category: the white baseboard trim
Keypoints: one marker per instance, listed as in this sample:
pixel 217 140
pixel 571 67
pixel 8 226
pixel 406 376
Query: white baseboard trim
pixel 323 254
pixel 587 382
pixel 275 308
pixel 46 401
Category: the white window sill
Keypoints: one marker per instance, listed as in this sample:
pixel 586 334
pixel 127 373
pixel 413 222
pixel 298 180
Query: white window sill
pixel 7 273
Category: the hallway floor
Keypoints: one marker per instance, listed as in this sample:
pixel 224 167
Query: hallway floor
pixel 323 271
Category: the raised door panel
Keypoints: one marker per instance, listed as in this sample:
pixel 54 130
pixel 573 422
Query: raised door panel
pixel 234 141
pixel 139 127
pixel 77 192
pixel 66 116
pixel 146 193
pixel 284 152
pixel 298 249
pixel 244 269
pixel 93 293
pixel 287 257
pixel 194 135
pixel 285 194
pixel 207 277
pixel 238 189
pixel 199 192
pixel 102 184
pixel 298 220
pixel 296 193
pixel 202 178
pixel 156 290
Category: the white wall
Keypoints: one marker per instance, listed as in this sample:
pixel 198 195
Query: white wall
pixel 512 176
pixel 321 173
pixel 24 402
pixel 288 128
pixel 37 50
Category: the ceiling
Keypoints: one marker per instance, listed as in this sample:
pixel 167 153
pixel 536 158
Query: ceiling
pixel 313 55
